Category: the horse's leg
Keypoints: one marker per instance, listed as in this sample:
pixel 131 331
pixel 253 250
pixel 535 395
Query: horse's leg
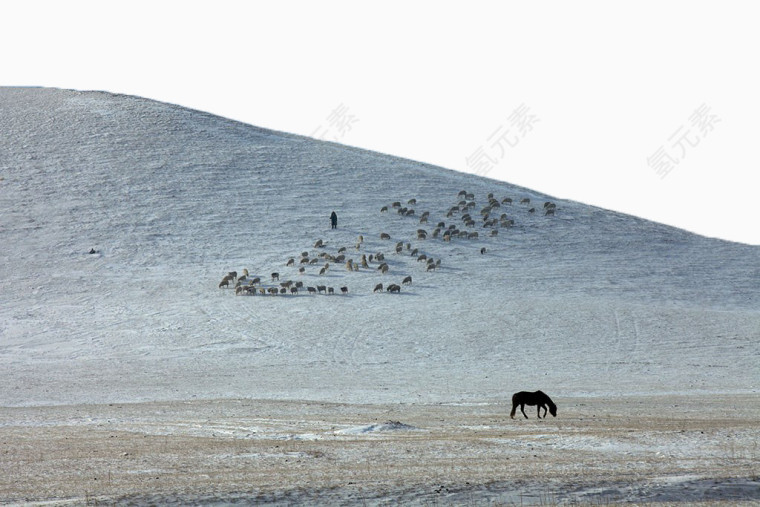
pixel 538 410
pixel 522 409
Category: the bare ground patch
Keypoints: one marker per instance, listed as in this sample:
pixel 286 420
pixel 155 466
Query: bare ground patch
pixel 643 449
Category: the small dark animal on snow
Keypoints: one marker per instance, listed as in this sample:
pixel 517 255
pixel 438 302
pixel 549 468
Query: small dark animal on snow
pixel 344 290
pixel 536 398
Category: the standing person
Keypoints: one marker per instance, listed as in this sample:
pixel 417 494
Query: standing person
pixel 334 220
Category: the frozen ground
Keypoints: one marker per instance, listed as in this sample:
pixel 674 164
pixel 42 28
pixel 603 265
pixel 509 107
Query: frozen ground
pixel 588 305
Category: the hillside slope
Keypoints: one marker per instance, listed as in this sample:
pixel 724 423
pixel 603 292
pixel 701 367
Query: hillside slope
pixel 582 302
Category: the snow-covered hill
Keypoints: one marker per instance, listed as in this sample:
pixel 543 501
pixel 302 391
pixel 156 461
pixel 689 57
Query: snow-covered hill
pixel 582 302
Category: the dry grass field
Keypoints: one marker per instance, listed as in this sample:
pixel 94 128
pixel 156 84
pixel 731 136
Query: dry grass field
pixel 653 449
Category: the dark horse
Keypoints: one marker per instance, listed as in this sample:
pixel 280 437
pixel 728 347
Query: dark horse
pixel 527 398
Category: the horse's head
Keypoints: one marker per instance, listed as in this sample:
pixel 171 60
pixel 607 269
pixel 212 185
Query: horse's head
pixel 553 410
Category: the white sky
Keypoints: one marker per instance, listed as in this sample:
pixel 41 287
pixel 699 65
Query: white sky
pixel 603 86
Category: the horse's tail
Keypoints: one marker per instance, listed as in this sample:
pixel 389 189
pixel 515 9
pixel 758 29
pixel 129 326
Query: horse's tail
pixel 514 406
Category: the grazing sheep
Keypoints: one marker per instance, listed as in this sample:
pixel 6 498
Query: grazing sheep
pixel 275 276
pixel 394 288
pixel 401 211
pixel 447 236
pixel 321 288
pixel 313 261
pixel 344 290
pixel 414 252
pixel 422 257
pixel 256 280
pixel 262 291
pixel 399 249
pixel 299 284
pixel 421 234
pixel 290 262
pixel 396 204
pixel 304 254
pixel 330 290
pixel 340 258
pixel 319 244
pixel 423 220
pixel 360 238
pixel 470 197
pixel 482 250
pixel 301 270
pixel 286 284
pixel 350 265
pixel 436 232
pixel 384 268
pixel 322 271
pixel 364 261
pixel 506 200
pixel 532 210
pixel 385 235
pixel 549 211
pixel 524 200
pixel 495 232
pixel 549 204
pixel 294 290
pixel 407 280
pixel 378 288
pixel 430 267
pixel 224 283
pixel 304 260
pixel 311 290
pixel 283 291
pixel 462 193
pixel 380 257
pixel 273 291
pixel 472 235
pixel 383 209
pixel 412 201
pixel 341 249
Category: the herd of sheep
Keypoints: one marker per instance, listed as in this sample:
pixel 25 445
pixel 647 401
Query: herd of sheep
pixel 466 219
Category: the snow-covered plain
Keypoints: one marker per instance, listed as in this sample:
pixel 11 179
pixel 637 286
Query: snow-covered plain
pixel 586 304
